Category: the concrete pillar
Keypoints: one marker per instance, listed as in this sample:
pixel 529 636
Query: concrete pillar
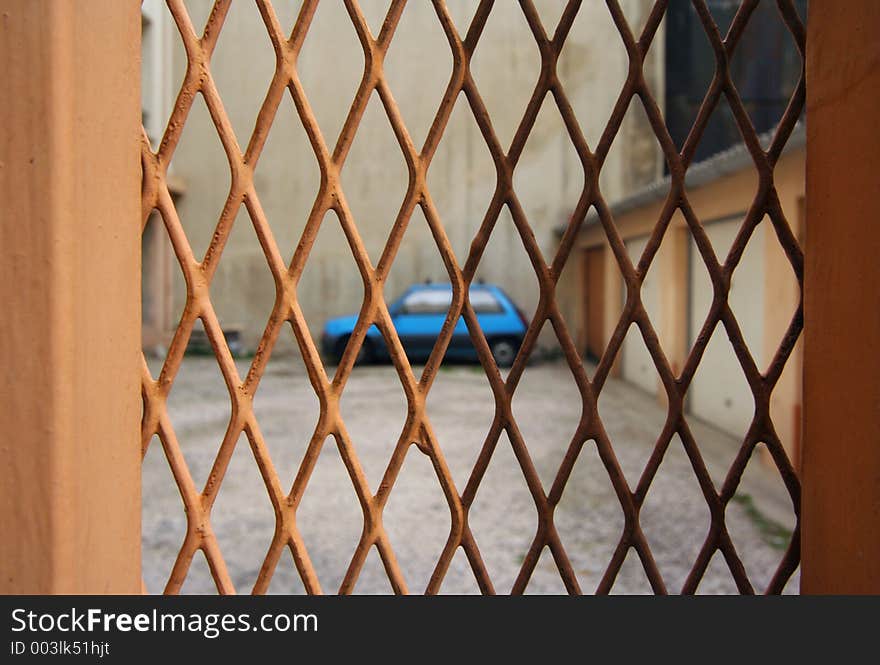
pixel 70 288
pixel 841 446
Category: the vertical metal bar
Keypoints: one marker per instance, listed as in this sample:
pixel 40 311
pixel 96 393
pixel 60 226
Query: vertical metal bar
pixel 841 452
pixel 70 288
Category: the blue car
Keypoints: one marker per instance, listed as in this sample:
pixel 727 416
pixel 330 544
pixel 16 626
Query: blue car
pixel 418 316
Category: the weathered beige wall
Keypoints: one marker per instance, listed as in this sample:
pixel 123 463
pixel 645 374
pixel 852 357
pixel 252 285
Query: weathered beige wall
pixel 548 179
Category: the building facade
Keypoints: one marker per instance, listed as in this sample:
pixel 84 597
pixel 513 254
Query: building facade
pixel 677 291
pixel 721 185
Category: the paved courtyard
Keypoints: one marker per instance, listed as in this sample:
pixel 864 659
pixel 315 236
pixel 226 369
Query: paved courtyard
pixel 547 406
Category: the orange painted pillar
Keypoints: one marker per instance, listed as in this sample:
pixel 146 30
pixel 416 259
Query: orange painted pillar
pixel 70 290
pixel 841 446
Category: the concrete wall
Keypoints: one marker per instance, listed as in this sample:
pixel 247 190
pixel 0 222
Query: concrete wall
pixel 548 179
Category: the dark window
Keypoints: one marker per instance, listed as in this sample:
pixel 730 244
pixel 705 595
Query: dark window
pixel 765 69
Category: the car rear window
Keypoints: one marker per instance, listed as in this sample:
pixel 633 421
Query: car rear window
pixel 428 301
pixel 484 302
pixel 435 301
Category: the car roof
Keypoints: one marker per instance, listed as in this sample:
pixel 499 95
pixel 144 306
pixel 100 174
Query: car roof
pixel 447 286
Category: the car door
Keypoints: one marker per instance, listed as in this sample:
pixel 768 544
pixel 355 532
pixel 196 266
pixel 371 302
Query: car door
pixel 419 319
pixel 492 316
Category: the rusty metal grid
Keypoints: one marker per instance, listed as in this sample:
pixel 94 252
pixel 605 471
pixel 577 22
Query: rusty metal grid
pixel 417 429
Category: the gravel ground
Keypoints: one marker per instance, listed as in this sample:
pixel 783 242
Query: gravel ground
pixel 546 405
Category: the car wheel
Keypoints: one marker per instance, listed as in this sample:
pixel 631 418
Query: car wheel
pixel 503 352
pixel 364 357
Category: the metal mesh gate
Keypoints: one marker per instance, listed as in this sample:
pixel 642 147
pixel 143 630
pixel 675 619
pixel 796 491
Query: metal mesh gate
pixel 417 431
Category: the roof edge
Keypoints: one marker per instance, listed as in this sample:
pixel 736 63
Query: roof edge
pixel 719 165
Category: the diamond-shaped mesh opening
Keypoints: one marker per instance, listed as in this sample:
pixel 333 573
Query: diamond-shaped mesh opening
pixel 633 439
pixel 725 409
pixel 199 411
pixel 462 178
pixel 199 154
pixel 330 284
pixel 674 516
pixel 694 60
pixel 245 87
pixel 461 408
pixel 462 14
pixel 636 363
pixel 374 163
pixel 729 406
pixel 418 262
pixel 718 578
pixel 163 518
pixel 549 177
pixel 374 409
pixel 780 301
pixel 198 578
pixel 330 67
pixel 506 263
pixel 286 14
pixel 545 579
pixel 329 514
pixel 631 579
pixel 765 97
pixel 286 580
pixel 547 440
pixel 374 14
pixel 419 58
pixel 286 178
pixel 503 516
pixel 239 523
pixel 512 112
pixel 549 12
pixel 505 67
pixel 287 409
pixel 589 517
pixel 593 55
pixel 373 579
pixel 244 275
pixel 199 11
pixel 760 520
pixel 634 160
pixel 459 579
pixel 417 519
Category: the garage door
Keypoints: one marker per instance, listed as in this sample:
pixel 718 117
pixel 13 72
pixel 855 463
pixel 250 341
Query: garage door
pixel 637 366
pixel 595 301
pixel 719 393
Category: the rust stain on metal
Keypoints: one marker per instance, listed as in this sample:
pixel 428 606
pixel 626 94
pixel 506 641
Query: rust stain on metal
pixel 199 272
